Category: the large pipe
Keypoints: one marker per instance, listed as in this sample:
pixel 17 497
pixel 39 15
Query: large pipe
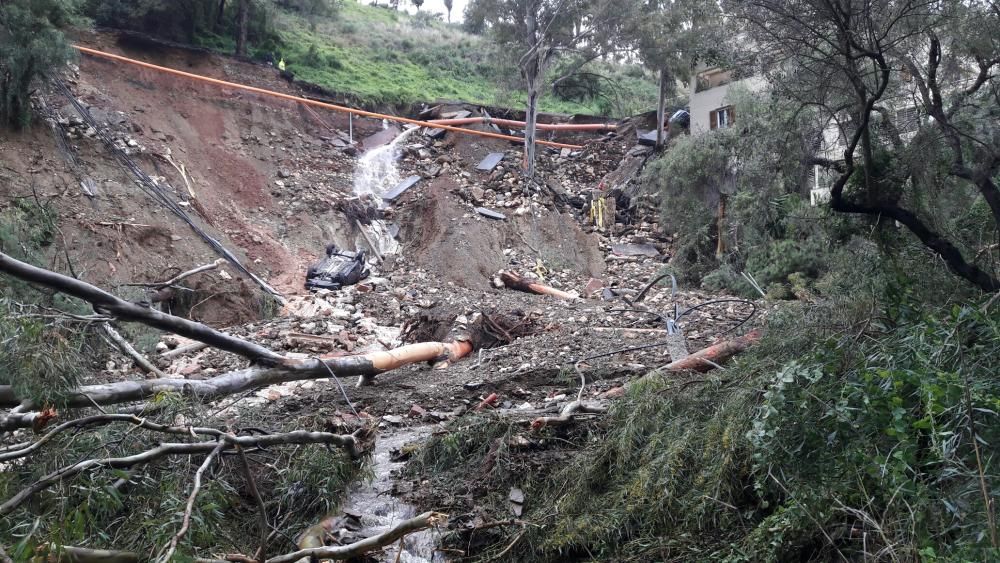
pixel 520 124
pixel 307 101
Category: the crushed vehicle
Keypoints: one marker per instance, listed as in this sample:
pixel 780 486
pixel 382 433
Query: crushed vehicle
pixel 339 269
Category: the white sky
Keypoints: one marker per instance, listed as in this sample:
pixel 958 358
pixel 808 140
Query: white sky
pixel 436 6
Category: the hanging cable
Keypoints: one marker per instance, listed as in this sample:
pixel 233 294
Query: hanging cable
pixel 158 194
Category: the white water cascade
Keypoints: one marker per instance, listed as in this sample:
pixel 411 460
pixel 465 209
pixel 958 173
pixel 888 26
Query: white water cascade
pixel 376 171
pixel 375 174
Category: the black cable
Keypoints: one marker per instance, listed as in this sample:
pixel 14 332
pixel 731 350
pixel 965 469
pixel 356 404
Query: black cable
pixel 154 191
pixel 717 301
pixel 339 384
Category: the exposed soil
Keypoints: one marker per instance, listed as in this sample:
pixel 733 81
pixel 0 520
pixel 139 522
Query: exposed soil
pixel 269 181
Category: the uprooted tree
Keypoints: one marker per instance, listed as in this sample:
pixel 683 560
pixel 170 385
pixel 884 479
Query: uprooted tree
pixel 910 91
pixel 88 465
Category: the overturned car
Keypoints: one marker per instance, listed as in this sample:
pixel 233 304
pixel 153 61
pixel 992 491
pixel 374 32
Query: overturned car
pixel 339 269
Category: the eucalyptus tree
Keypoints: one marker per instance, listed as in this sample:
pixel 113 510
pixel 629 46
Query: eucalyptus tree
pixel 670 37
pixel 30 45
pixel 542 31
pixel 911 90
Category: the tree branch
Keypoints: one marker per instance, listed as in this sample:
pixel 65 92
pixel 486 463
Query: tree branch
pixel 107 304
pixel 195 489
pixel 358 548
pixel 351 442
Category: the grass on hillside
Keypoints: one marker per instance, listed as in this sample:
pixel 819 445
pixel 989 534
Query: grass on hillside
pixel 381 56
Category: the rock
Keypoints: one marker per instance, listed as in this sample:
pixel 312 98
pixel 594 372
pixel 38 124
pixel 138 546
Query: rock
pixel 393 419
pixel 593 286
pixel 416 411
pixel 283 174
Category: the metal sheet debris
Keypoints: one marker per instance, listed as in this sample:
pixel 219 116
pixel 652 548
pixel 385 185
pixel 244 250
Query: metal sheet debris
pixel 490 213
pixel 490 162
pixel 401 187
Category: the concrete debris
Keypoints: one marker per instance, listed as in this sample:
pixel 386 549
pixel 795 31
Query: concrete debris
pixel 401 187
pixel 635 250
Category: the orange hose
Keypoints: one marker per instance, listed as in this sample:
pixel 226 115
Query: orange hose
pixel 307 101
pixel 540 126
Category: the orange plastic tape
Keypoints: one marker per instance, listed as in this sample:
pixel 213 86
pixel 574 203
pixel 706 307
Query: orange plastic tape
pixel 309 102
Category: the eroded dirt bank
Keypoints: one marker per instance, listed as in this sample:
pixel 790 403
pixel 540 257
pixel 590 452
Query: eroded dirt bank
pixel 273 182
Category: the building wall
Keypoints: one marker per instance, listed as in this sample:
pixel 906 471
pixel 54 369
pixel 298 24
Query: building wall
pixel 703 103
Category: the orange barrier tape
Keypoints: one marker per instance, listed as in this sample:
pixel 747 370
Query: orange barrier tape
pixel 540 126
pixel 309 102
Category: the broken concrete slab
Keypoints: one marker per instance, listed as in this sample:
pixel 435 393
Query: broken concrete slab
pixel 648 138
pixel 490 213
pixel 456 114
pixel 490 162
pixel 634 250
pixel 401 187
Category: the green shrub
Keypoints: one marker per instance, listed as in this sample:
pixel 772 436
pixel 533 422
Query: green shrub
pixel 30 46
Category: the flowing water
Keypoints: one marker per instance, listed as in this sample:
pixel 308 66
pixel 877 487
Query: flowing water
pixel 376 171
pixel 382 511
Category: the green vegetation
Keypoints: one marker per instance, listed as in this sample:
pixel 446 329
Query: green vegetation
pixel 375 55
pixel 30 45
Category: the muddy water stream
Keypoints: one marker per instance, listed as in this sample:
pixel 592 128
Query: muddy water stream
pixel 381 511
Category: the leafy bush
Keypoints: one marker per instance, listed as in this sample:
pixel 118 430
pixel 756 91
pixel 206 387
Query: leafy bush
pixel 846 433
pixel 30 45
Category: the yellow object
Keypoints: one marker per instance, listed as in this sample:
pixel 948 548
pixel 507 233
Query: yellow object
pixel 540 269
pixel 281 64
pixel 597 210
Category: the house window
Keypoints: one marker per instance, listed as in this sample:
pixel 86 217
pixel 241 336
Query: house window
pixel 722 118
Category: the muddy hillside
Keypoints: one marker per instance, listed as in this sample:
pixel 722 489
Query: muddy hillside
pixel 535 283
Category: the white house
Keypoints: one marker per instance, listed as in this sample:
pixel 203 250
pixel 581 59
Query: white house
pixel 710 108
pixel 709 104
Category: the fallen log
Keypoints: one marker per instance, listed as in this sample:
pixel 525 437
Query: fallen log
pixel 365 365
pixel 268 367
pixel 707 359
pixel 516 282
pixel 71 554
pixel 358 548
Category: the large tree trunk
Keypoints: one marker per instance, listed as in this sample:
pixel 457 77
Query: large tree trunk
pixel 529 123
pixel 531 68
pixel 661 105
pixel 218 14
pixel 241 28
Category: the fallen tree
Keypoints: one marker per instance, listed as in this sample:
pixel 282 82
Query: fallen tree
pixel 267 367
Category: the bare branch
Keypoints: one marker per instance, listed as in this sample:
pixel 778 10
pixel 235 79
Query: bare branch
pixel 358 548
pixel 195 489
pixel 350 442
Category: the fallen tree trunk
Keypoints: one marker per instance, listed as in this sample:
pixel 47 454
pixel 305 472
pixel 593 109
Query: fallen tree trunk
pixel 365 365
pixel 708 358
pixel 70 554
pixel 108 304
pixel 270 367
pixel 516 282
